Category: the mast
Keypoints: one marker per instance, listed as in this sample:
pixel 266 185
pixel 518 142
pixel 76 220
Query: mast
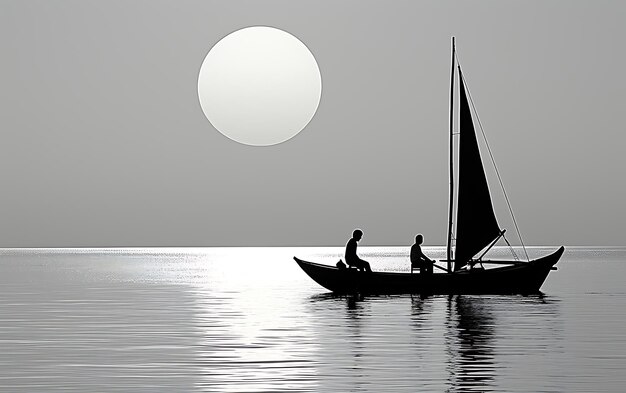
pixel 451 170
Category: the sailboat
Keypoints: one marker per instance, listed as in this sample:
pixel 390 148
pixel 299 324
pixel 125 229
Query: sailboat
pixel 477 231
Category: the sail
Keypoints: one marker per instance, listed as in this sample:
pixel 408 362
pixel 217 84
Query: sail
pixel 476 222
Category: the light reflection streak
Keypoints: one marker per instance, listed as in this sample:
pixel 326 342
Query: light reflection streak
pixel 257 336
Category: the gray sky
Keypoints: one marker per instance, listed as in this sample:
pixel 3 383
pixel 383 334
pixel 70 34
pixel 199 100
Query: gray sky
pixel 104 142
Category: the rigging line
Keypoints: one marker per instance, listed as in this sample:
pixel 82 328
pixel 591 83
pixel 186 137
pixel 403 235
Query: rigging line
pixel 493 161
pixel 511 248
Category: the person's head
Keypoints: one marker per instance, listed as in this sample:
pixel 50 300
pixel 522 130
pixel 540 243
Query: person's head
pixel 357 234
pixel 419 239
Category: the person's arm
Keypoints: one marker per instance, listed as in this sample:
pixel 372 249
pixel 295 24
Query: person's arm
pixel 424 257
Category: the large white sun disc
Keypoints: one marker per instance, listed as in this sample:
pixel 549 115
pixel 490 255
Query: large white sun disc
pixel 259 86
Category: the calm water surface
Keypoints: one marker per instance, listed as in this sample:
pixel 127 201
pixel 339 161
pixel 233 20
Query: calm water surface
pixel 248 320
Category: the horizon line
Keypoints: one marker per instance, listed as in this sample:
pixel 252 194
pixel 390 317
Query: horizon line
pixel 295 246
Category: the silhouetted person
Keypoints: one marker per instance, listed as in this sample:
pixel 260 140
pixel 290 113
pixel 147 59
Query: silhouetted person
pixel 418 259
pixel 351 258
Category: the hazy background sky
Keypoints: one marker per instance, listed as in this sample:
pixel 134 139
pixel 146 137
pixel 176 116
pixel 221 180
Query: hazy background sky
pixel 104 142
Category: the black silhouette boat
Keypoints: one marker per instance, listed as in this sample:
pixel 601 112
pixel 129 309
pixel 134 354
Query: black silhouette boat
pixel 477 230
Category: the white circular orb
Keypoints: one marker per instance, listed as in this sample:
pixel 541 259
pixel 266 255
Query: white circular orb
pixel 259 86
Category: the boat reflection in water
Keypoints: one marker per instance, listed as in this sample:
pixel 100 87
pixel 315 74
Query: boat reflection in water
pixel 470 344
pixel 456 343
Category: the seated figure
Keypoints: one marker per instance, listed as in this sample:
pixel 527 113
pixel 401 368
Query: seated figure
pixel 351 258
pixel 418 259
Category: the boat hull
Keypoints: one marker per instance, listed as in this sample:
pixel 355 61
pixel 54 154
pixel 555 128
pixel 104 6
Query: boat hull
pixel 524 278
